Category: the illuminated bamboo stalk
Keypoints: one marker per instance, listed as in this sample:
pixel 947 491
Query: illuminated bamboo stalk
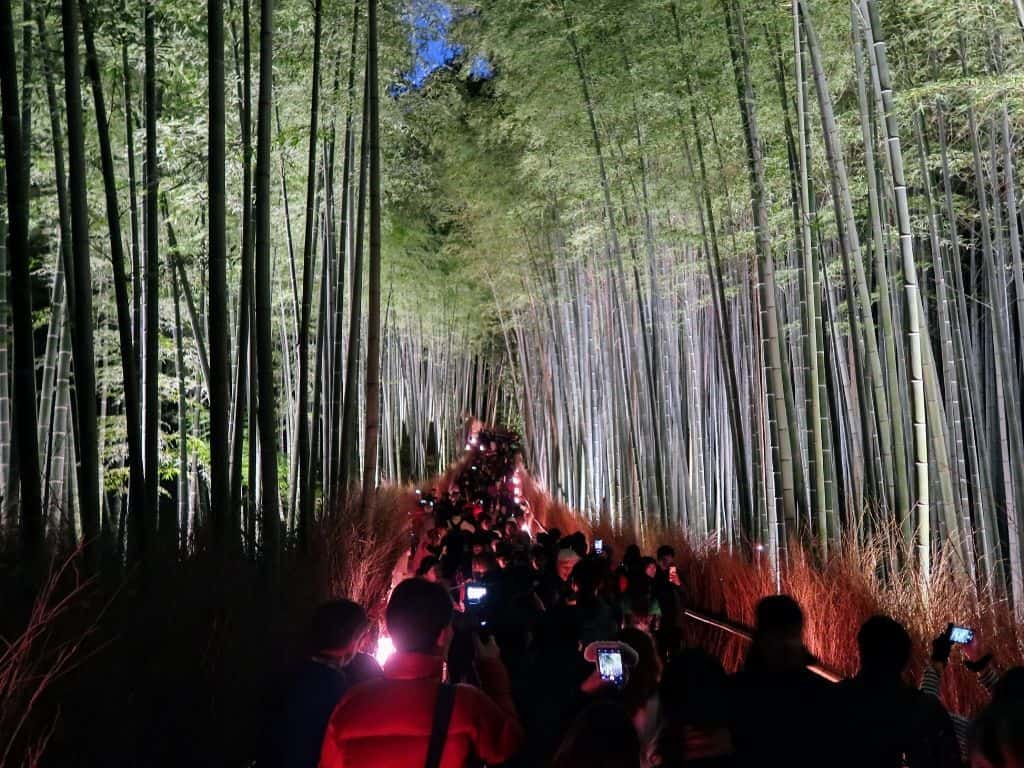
pixel 912 290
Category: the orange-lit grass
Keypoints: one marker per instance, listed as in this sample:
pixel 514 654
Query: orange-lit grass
pixel 360 553
pixel 838 595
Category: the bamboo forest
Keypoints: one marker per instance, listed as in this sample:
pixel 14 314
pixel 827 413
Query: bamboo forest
pixel 740 276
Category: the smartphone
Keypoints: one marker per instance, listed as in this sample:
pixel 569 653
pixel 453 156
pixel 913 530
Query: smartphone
pixel 960 635
pixel 475 594
pixel 598 546
pixel 609 666
pixel 673 572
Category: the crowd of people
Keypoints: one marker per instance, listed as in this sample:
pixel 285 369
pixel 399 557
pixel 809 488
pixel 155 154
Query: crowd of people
pixel 523 647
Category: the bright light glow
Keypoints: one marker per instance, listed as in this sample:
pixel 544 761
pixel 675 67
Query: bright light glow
pixel 525 527
pixel 516 480
pixel 384 649
pixel 759 547
pixel 467 446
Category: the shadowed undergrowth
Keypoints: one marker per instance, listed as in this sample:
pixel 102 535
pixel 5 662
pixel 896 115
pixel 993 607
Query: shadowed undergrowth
pixel 182 663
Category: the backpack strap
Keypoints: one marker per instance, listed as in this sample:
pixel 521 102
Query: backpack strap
pixel 443 708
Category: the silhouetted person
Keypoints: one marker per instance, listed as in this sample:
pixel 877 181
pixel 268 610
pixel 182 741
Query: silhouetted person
pixel 631 558
pixel 694 704
pixel 548 691
pixel 976 658
pixel 996 739
pixel 888 723
pixel 780 710
pixel 639 606
pixel 334 667
pixel 429 568
pixel 597 620
pixel 601 737
pixel 671 597
pixel 640 694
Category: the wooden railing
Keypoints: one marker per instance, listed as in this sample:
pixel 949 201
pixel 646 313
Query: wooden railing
pixel 740 630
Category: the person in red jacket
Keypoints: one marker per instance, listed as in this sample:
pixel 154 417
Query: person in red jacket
pixel 387 723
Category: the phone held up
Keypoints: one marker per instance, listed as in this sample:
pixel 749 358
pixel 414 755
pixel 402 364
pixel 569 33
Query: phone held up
pixel 475 596
pixel 609 666
pixel 960 635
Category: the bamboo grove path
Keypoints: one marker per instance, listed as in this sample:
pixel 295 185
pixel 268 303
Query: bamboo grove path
pixel 491 464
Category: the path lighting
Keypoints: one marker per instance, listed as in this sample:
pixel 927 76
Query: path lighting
pixel 385 647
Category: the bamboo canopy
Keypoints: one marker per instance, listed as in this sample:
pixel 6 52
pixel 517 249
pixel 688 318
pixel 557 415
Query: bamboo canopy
pixel 746 271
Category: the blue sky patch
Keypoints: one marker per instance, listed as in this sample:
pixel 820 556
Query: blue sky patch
pixel 430 24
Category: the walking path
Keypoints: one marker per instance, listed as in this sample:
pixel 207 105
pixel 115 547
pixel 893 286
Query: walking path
pixel 488 483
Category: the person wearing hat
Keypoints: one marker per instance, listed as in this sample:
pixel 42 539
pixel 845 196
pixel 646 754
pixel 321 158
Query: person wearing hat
pixel 567 559
pixel 554 583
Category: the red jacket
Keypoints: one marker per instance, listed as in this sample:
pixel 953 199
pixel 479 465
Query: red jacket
pixel 386 723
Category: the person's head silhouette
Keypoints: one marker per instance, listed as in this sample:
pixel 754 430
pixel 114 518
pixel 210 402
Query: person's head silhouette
pixel 778 634
pixel 884 647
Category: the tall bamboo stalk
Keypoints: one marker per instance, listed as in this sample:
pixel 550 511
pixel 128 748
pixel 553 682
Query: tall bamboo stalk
pixel 267 411
pixel 219 337
pixel 24 400
pixel 878 53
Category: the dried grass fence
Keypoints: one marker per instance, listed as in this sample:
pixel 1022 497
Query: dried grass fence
pixel 837 596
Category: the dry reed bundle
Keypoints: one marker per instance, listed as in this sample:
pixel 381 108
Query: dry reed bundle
pixel 361 552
